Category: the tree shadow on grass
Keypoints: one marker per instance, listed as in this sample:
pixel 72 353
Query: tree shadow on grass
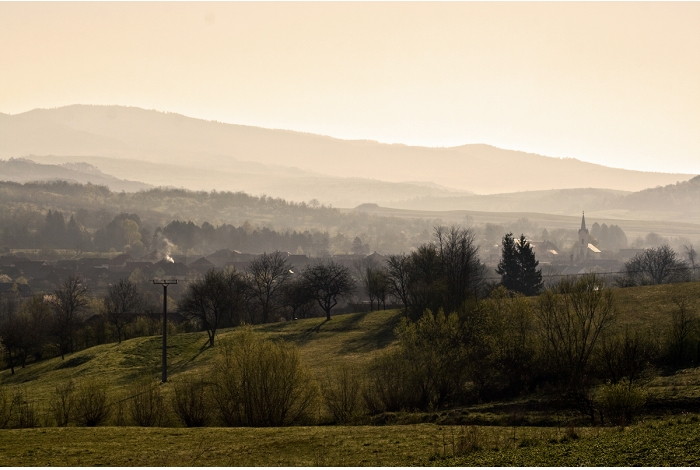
pixel 372 340
pixel 184 363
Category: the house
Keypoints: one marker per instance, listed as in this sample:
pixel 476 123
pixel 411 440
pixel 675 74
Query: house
pixel 221 257
pixel 170 269
pixel 376 258
pixel 119 262
pixel 202 265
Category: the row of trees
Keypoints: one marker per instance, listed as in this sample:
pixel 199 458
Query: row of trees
pixel 267 290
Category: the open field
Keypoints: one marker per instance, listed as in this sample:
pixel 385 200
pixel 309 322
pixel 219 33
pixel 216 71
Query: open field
pixel 654 443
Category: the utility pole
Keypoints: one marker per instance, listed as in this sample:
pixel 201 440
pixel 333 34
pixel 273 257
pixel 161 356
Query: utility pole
pixel 164 362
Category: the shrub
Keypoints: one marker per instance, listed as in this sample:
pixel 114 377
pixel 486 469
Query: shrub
pixel 191 403
pixel 91 405
pixel 259 382
pixel 146 403
pixel 341 392
pixel 26 415
pixel 621 403
pixel 16 411
pixel 391 385
pixel 62 403
pixel 6 407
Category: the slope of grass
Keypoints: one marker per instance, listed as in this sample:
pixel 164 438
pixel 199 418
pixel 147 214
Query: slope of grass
pixel 652 306
pixel 351 338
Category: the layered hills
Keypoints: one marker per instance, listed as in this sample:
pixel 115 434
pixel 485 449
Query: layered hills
pixel 167 148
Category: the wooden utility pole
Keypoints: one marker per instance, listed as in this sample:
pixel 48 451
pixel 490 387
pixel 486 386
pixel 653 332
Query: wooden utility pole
pixel 164 361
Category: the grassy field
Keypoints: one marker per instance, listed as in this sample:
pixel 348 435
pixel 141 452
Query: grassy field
pixel 656 443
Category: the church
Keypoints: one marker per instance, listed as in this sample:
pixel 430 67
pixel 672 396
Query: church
pixel 583 250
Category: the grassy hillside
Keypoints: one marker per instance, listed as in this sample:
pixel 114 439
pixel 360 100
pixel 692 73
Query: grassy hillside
pixel 354 338
pixel 351 338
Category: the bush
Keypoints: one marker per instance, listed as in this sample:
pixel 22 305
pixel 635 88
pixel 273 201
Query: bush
pixel 26 415
pixel 391 385
pixel 621 403
pixel 16 411
pixel 341 392
pixel 62 403
pixel 6 407
pixel 91 405
pixel 191 403
pixel 146 403
pixel 259 382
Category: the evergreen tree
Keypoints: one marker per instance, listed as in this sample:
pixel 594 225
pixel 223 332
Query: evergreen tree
pixel 530 276
pixel 508 266
pixel 518 266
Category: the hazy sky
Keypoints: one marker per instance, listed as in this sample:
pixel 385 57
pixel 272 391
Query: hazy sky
pixel 611 83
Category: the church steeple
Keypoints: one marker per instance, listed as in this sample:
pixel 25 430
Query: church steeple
pixel 583 223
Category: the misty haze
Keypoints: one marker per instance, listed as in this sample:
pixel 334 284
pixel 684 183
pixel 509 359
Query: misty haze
pixel 345 234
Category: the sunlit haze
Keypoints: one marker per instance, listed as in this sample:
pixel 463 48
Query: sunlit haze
pixel 609 83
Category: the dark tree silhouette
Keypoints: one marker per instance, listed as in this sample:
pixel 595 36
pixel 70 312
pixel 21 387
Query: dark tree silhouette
pixel 656 266
pixel 399 272
pixel 214 299
pixel 297 296
pixel 518 266
pixel 122 303
pixel 267 275
pixel 328 282
pixel 462 271
pixel 68 302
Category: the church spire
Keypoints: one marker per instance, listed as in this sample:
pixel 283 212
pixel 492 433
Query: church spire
pixel 583 221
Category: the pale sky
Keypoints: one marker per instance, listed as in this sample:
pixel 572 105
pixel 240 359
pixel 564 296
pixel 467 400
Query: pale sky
pixel 610 83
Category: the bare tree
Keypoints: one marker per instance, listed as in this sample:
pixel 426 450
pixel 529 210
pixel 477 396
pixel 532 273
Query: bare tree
pixel 399 277
pixel 573 316
pixel 13 334
pixel 656 266
pixel 684 323
pixel 38 313
pixel 463 271
pixel 122 303
pixel 267 274
pixel 627 356
pixel 378 285
pixel 212 300
pixel 68 302
pixel 298 298
pixel 328 282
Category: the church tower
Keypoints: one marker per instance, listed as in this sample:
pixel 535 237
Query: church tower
pixel 581 247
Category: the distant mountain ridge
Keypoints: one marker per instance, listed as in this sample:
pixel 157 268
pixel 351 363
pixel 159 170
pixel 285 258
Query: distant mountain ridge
pixel 173 139
pixel 24 170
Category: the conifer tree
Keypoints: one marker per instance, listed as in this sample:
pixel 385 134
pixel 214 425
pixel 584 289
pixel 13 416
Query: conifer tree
pixel 530 276
pixel 518 266
pixel 508 266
